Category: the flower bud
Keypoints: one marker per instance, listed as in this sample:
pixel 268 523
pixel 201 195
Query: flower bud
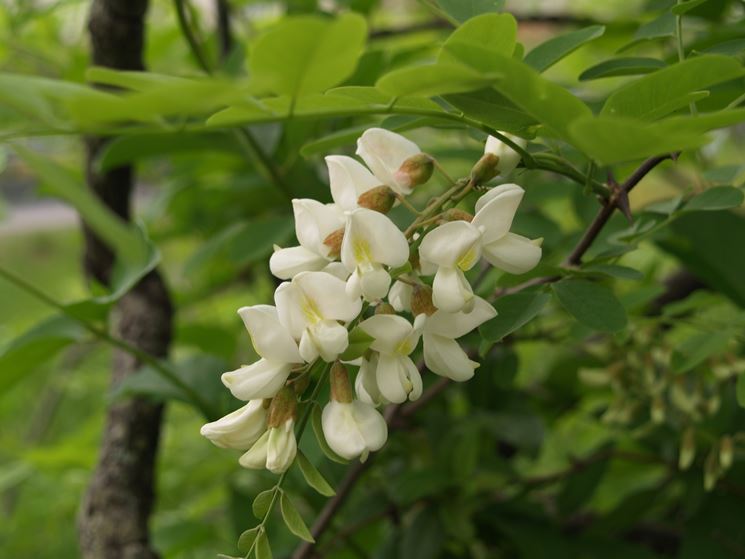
pixel 658 410
pixel 385 308
pixel 687 449
pixel 508 157
pixel 455 214
pixel 421 301
pixel 726 452
pixel 416 170
pixel 381 199
pixel 485 169
pixel 341 389
pixel 282 408
pixel 333 241
pixel 712 470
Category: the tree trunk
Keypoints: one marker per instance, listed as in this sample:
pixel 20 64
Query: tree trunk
pixel 113 520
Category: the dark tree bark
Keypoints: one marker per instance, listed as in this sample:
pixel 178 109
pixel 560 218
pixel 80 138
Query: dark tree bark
pixel 113 520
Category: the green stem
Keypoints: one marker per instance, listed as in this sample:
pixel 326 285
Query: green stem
pixel 681 50
pixel 189 393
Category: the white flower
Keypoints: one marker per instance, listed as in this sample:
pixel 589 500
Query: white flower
pixel 275 450
pixel 311 307
pixel 508 157
pixel 353 429
pixel 314 224
pixel 396 375
pixel 366 385
pixel 442 354
pixel 385 152
pixel 399 295
pixel 457 246
pixel 239 429
pixel 277 348
pixel 349 180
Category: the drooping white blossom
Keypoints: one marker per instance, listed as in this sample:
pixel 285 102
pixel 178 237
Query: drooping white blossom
pixel 315 225
pixel 239 429
pixel 366 385
pixel 385 152
pixel 313 307
pixel 275 450
pixel 508 157
pixel 353 429
pixel 371 242
pixel 277 348
pixel 349 179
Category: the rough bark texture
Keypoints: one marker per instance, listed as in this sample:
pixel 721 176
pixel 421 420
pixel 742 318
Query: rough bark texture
pixel 113 520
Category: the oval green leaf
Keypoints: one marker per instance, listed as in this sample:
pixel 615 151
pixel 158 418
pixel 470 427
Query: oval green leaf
pixel 592 304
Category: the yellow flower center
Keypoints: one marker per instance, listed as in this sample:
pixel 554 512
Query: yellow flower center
pixel 468 259
pixel 310 311
pixel 361 249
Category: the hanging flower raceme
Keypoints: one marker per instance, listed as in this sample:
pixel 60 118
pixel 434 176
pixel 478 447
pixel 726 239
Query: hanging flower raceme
pixel 352 428
pixel 239 429
pixel 319 229
pixel 277 348
pixel 455 247
pixel 275 450
pixel 371 242
pixel 313 307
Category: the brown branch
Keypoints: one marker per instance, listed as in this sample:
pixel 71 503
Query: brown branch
pixel 224 33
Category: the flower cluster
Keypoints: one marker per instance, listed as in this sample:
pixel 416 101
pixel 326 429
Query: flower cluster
pixel 360 292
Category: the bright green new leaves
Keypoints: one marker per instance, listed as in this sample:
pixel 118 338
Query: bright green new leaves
pixel 307 54
pixel 434 79
pixel 135 255
pixel 592 304
pixel 293 520
pixel 313 477
pixel 513 312
pixel 479 40
pixel 462 10
pixel 549 53
pixel 628 66
pixel 664 91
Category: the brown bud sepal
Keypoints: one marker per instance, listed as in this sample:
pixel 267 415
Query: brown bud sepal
pixel 341 389
pixel 282 408
pixel 381 199
pixel 333 241
pixel 421 301
pixel 455 214
pixel 416 170
pixel 485 169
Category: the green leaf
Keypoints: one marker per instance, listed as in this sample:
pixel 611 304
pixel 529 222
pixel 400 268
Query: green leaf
pixel 550 52
pixel 735 47
pixel 263 549
pixel 592 304
pixel 434 79
pixel 127 79
pixel 613 270
pixel 683 7
pixel 135 255
pixel 359 342
pixel 478 40
pixel 629 66
pixel 550 104
pixel 135 147
pixel 462 10
pixel 716 198
pixel 513 312
pixel 425 538
pixel 316 423
pixel 247 538
pixel 741 390
pixel 32 348
pixel 313 477
pixel 262 502
pixel 661 27
pixel 308 54
pixel 699 347
pixel 493 109
pixel 668 88
pixel 293 520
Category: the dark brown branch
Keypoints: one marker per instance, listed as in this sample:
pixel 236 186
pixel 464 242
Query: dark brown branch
pixel 113 519
pixel 224 33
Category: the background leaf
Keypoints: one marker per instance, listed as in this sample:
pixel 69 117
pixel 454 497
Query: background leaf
pixel 550 52
pixel 592 304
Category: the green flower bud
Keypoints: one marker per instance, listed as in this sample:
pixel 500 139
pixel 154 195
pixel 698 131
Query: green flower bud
pixel 687 449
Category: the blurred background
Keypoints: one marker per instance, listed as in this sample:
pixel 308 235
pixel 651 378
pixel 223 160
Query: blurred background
pixel 205 209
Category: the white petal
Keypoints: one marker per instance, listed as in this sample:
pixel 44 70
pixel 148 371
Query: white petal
pixel 289 300
pixel 513 253
pixel 308 348
pixel 371 237
pixel 508 158
pixel 384 152
pixel 445 357
pixel 281 448
pixel 330 337
pixel 375 283
pixel 452 244
pixel 348 179
pixel 353 288
pixel 255 458
pixel 398 378
pixel 341 431
pixel 286 263
pixel 314 222
pixel 262 379
pixel 399 296
pixel 451 291
pixel 390 332
pixel 455 325
pixel 270 339
pixel 371 424
pixel 366 385
pixel 239 429
pixel 495 211
pixel 337 269
pixel 325 293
